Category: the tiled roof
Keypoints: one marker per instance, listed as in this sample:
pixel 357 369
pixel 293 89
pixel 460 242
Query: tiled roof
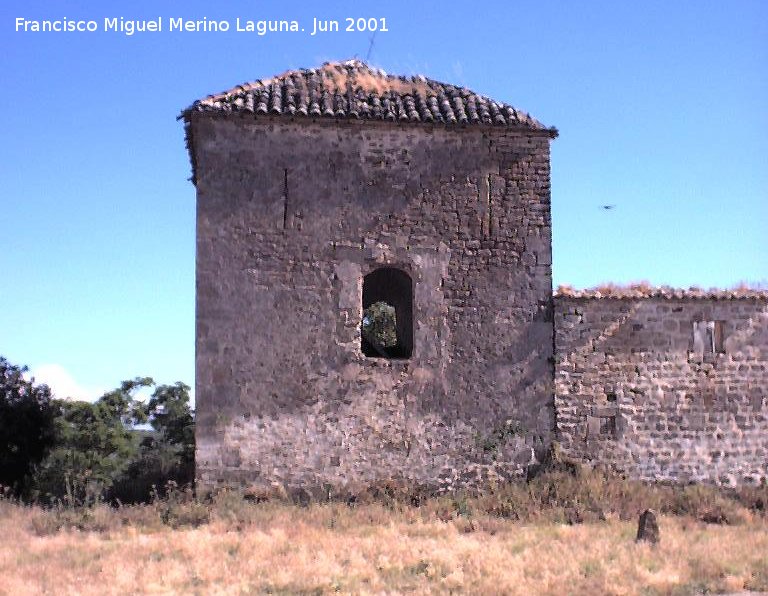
pixel 644 290
pixel 355 90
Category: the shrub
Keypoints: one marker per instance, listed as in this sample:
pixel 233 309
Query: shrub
pixel 178 507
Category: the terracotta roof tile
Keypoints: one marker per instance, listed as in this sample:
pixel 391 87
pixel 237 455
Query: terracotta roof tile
pixel 355 90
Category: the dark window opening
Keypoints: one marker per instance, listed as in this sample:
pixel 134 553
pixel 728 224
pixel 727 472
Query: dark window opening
pixel 387 326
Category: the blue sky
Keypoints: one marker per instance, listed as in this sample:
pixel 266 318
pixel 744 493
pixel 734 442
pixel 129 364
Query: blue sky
pixel 662 109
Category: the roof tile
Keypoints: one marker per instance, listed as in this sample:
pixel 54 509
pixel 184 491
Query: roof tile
pixel 355 90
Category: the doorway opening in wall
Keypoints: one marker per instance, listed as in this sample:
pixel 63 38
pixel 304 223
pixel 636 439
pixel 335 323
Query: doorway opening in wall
pixel 387 325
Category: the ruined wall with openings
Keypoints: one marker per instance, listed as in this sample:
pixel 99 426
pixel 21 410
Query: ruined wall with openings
pixel 291 217
pixel 671 387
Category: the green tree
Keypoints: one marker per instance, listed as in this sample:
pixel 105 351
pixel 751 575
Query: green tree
pixel 171 448
pixel 379 325
pixel 167 452
pixel 26 425
pixel 169 414
pixel 94 445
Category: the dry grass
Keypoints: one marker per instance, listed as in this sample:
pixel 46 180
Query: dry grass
pixel 444 546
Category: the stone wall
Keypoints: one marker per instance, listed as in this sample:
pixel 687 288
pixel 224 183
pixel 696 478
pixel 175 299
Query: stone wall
pixel 666 387
pixel 291 216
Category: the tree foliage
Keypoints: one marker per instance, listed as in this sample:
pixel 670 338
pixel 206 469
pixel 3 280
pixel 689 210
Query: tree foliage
pixel 116 448
pixel 94 445
pixel 169 414
pixel 167 453
pixel 26 425
pixel 379 325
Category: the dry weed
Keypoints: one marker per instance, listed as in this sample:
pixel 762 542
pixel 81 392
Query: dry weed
pixel 371 548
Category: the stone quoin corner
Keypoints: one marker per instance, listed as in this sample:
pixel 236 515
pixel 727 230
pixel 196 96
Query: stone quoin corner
pixel 324 192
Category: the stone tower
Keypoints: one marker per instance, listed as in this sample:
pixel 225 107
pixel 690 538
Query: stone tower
pixel 321 192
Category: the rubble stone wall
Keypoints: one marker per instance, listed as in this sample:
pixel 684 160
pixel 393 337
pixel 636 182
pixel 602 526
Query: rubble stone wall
pixel 290 217
pixel 665 388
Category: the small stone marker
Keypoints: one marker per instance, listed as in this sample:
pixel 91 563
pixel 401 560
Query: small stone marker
pixel 648 527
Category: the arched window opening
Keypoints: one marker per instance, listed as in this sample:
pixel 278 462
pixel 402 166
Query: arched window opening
pixel 387 326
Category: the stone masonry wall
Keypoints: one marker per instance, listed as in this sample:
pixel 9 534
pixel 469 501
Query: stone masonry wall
pixel 665 388
pixel 291 216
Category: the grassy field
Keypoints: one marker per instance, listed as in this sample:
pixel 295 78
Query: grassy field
pixel 443 545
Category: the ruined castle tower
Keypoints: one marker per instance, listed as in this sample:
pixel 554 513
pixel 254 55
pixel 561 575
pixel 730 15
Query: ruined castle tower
pixel 322 192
